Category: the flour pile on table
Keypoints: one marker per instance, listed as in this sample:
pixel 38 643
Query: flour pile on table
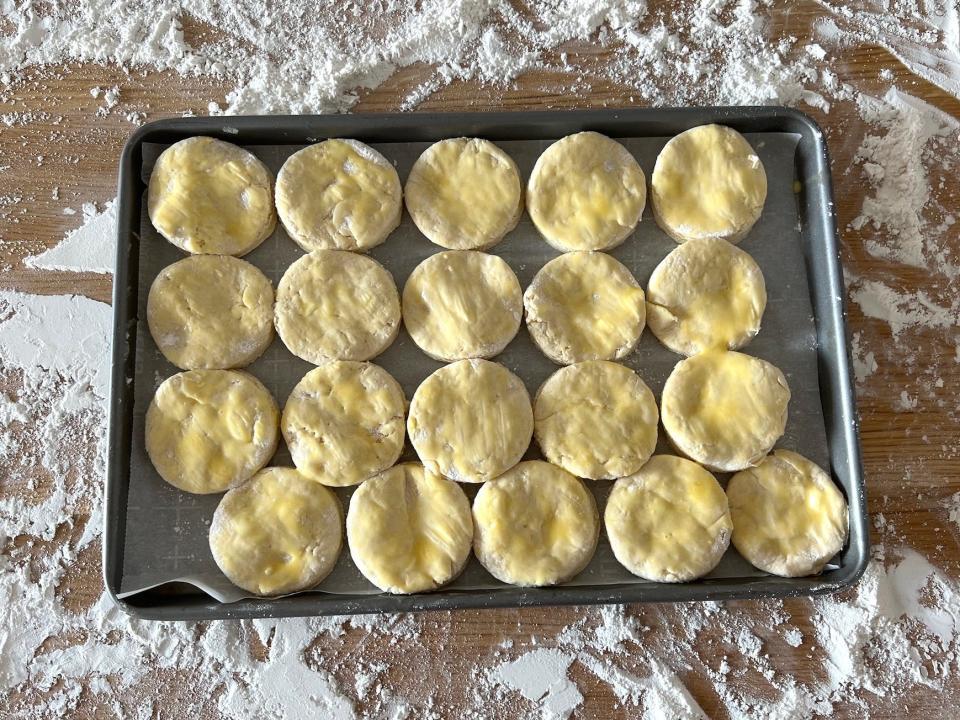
pixel 895 633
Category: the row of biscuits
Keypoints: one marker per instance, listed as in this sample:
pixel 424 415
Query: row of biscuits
pixel 586 192
pixel 219 312
pixel 410 530
pixel 470 421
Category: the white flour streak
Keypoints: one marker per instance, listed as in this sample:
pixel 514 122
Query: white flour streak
pixel 661 694
pixel 903 310
pixel 89 248
pixel 896 165
pixel 864 362
pixel 541 677
pixel 65 336
pixel 923 35
pixel 890 636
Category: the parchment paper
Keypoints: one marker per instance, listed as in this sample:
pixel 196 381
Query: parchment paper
pixel 166 529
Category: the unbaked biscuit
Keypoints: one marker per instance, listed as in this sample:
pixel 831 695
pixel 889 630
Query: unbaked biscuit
pixel 584 306
pixel 343 422
pixel 669 522
pixel 586 192
pixel 596 420
pixel 789 518
pixel 337 305
pixel 535 525
pixel 464 194
pixel 470 421
pixel 725 409
pixel 209 196
pixel 705 294
pixel 338 195
pixel 462 304
pixel 708 183
pixel 277 533
pixel 209 430
pixel 211 312
pixel 409 529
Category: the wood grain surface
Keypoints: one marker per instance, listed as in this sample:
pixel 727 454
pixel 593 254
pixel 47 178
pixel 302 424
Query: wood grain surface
pixel 911 455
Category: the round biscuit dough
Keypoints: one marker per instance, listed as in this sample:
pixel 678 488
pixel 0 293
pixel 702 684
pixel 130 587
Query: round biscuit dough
pixel 409 529
pixel 337 305
pixel 338 195
pixel 207 196
pixel 789 518
pixel 343 422
pixel 705 294
pixel 584 306
pixel 535 525
pixel 596 420
pixel 669 522
pixel 278 533
pixel 470 421
pixel 464 194
pixel 586 192
pixel 462 304
pixel 708 183
pixel 724 409
pixel 210 430
pixel 211 312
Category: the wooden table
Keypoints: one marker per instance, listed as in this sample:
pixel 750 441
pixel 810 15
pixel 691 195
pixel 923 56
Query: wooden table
pixel 911 456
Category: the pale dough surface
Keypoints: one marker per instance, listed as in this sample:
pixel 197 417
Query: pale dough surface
pixel 470 421
pixel 596 420
pixel 462 304
pixel 337 305
pixel 706 294
pixel 725 409
pixel 409 529
pixel 211 312
pixel 343 422
pixel 669 522
pixel 586 192
pixel 464 194
pixel 338 195
pixel 789 518
pixel 209 196
pixel 584 306
pixel 277 533
pixel 535 525
pixel 209 430
pixel 708 182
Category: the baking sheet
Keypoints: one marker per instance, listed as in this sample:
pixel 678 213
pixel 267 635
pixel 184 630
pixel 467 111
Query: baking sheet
pixel 166 530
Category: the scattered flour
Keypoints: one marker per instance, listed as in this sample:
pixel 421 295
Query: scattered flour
pixel 896 631
pixel 718 51
pixel 923 35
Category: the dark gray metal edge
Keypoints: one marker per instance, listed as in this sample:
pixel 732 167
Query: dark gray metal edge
pixel 834 354
pixel 122 356
pixel 835 364
pixel 203 608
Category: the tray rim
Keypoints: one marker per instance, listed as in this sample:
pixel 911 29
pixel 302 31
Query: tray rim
pixel 818 210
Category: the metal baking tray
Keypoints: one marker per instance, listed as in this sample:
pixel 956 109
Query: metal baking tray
pixel 799 246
